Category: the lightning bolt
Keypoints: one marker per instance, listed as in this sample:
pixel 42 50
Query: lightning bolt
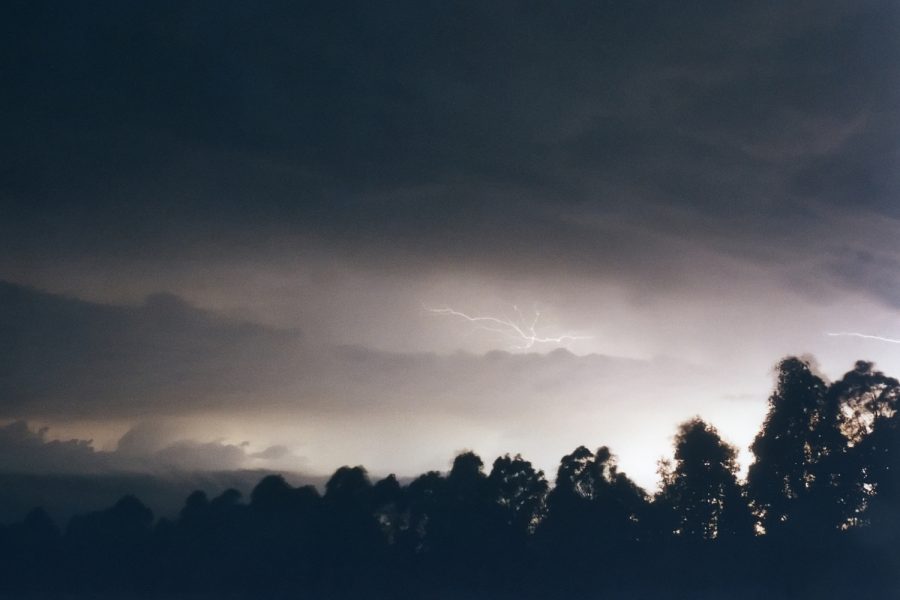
pixel 864 336
pixel 523 331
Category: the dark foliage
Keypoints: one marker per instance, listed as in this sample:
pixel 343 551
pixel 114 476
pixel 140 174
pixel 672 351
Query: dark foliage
pixel 816 518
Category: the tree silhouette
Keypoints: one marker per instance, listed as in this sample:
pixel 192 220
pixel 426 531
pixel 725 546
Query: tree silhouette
pixel 789 444
pixel 30 552
pixel 865 401
pixel 107 547
pixel 521 492
pixel 351 539
pixel 702 490
pixel 592 504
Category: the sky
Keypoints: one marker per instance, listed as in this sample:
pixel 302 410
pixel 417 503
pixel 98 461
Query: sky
pixel 229 231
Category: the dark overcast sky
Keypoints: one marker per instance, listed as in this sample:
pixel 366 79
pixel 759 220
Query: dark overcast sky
pixel 216 215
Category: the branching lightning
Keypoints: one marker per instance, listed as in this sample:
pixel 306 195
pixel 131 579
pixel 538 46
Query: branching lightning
pixel 864 336
pixel 521 330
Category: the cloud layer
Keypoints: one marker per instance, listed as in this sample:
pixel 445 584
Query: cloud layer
pixel 168 361
pixel 632 142
pixel 143 449
pixel 701 189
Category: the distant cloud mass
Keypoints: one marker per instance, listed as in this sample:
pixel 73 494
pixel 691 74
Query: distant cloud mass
pixel 29 450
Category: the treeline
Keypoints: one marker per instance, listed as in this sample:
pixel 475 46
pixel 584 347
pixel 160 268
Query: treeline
pixel 818 516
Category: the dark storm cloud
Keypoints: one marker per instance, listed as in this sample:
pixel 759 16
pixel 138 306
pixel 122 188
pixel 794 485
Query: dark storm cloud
pixel 69 476
pixel 24 449
pixel 871 270
pixel 445 133
pixel 64 355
